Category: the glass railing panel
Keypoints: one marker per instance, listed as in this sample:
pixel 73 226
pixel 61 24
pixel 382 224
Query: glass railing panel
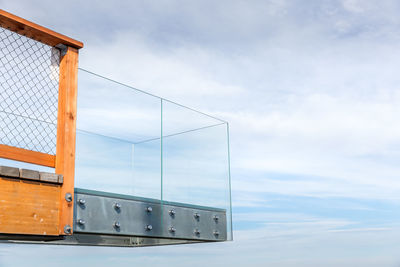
pixel 146 169
pixel 113 121
pixel 132 143
pixel 195 160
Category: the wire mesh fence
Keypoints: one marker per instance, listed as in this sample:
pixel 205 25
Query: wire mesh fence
pixel 29 77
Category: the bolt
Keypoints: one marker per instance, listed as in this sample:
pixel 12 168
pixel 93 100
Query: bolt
pixel 197 231
pixel 117 206
pixel 172 213
pixel 117 224
pixel 149 209
pixel 197 216
pixel 68 197
pixel 216 218
pixel 67 229
pixel 81 201
pixel 216 233
pixel 172 229
pixel 149 227
pixel 81 222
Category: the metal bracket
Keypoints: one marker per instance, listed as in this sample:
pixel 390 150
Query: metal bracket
pixel 63 49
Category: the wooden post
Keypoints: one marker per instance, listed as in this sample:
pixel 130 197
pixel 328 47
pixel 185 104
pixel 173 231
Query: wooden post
pixel 66 135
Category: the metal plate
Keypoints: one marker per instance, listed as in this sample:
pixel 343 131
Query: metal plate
pixel 185 223
pixel 97 240
pixel 98 213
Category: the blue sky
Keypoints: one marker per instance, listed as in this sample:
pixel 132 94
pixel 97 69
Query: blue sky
pixel 311 91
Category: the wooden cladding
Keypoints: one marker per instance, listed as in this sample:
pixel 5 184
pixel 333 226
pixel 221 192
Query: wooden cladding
pixel 34 31
pixel 29 207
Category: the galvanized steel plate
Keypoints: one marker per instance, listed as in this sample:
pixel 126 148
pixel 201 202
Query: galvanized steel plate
pixel 113 214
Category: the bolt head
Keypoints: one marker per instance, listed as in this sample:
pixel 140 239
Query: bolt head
pixel 149 209
pixel 196 215
pixel 67 229
pixel 216 233
pixel 197 231
pixel 81 201
pixel 172 229
pixel 149 227
pixel 117 206
pixel 68 197
pixel 81 222
pixel 117 224
pixel 172 213
pixel 216 218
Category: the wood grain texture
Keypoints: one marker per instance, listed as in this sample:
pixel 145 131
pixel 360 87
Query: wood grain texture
pixel 29 207
pixel 66 132
pixel 35 31
pixel 20 154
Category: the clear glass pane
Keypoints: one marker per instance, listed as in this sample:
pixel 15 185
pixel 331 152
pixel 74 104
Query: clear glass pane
pixel 132 143
pixel 146 162
pixel 195 160
pixel 112 152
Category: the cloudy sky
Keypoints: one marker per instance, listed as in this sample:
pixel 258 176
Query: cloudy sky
pixel 312 94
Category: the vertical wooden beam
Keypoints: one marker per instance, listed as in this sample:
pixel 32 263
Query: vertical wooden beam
pixel 66 133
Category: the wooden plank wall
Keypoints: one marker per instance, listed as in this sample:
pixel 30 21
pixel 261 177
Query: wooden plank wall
pixel 29 207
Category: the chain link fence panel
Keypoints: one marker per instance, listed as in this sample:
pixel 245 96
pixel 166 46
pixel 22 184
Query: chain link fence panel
pixel 29 78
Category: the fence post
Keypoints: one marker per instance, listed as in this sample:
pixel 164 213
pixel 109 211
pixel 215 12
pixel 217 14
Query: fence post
pixel 66 134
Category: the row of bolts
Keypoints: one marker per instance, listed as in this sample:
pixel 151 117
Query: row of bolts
pixel 149 227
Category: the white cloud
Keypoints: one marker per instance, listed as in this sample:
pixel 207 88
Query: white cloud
pixel 356 6
pixel 310 89
pixel 295 244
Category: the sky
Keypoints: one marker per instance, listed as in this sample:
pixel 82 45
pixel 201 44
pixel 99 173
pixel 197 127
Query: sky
pixel 311 92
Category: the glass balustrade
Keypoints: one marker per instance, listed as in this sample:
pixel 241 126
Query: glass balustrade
pixel 132 143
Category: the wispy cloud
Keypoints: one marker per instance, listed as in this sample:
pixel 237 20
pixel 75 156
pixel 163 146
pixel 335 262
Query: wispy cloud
pixel 311 91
